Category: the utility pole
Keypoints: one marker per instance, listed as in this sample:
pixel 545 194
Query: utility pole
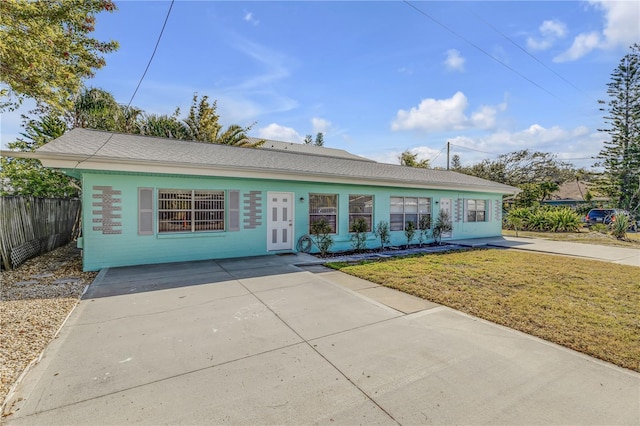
pixel 448 150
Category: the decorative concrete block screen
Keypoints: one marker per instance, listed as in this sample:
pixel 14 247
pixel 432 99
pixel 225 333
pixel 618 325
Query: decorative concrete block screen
pixel 108 205
pixel 252 209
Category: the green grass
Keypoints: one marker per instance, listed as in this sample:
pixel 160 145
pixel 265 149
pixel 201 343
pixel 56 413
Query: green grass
pixel 586 305
pixel 583 236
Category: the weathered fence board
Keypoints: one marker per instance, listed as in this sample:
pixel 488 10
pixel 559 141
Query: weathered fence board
pixel 30 226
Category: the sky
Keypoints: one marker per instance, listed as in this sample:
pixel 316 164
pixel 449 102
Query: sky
pixel 378 78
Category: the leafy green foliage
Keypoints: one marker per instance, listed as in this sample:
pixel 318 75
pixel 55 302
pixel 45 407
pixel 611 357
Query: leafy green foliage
pixel 26 176
pixel 203 125
pixel 411 160
pixel 46 50
pixel 619 226
pixel 359 229
pixel 423 226
pixel 409 232
pixel 563 220
pixel 620 156
pixel 382 231
pixel 441 226
pixel 517 218
pixel 552 219
pixel 321 231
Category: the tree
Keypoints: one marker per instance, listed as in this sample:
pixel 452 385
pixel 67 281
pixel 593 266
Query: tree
pixel 319 139
pixel 46 50
pixel 620 156
pixel 163 126
pixel 455 162
pixel 521 167
pixel 411 160
pixel 97 109
pixel 26 176
pixel 203 125
pixel 308 140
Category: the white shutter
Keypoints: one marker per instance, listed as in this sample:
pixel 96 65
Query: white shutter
pixel 145 211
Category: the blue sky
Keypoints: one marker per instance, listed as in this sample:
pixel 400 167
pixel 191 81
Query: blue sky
pixel 380 77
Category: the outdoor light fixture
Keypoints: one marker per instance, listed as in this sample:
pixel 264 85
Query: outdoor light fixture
pixel 302 199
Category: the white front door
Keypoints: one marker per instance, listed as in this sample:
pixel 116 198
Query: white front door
pixel 279 221
pixel 445 206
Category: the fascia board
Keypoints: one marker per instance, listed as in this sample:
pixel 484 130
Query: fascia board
pixel 72 162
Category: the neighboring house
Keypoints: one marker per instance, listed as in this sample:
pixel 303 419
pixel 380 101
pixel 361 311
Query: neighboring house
pixel 572 194
pixel 151 200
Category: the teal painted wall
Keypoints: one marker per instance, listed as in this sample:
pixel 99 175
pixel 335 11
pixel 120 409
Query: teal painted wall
pixel 118 243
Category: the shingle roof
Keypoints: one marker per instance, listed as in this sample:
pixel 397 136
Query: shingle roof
pixel 307 149
pixel 87 147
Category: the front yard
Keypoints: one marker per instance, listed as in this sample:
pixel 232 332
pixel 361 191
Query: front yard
pixel 586 305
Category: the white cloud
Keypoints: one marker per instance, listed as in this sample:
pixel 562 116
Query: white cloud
pixel 279 133
pixel 454 61
pixel 248 17
pixel 577 143
pixel 551 31
pixel 320 125
pixel 445 114
pixel 620 29
pixel 582 44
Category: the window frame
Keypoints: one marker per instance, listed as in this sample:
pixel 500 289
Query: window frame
pixel 354 215
pixel 414 216
pixel 333 223
pixel 471 214
pixel 191 207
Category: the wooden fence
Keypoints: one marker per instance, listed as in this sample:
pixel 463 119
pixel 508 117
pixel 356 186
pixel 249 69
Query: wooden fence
pixel 30 226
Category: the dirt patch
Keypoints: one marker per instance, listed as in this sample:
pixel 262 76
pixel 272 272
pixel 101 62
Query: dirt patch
pixel 35 299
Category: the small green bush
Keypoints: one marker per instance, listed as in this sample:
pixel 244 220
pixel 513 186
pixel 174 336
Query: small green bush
pixel 620 226
pixel 359 234
pixel 441 226
pixel 600 228
pixel 321 231
pixel 563 220
pixel 423 225
pixel 409 232
pixel 382 232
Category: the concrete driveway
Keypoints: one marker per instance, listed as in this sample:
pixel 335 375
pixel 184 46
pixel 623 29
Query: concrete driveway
pixel 261 341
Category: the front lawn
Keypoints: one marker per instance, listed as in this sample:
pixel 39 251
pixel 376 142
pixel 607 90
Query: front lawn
pixel 581 236
pixel 586 305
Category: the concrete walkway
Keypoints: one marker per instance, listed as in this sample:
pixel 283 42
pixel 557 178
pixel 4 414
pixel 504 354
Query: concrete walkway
pixel 262 341
pixel 621 255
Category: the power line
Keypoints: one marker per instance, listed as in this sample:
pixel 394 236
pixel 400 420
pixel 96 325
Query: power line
pixel 137 87
pixel 471 149
pixel 529 54
pixel 152 54
pixel 478 48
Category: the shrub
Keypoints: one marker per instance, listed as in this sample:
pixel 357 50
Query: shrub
pixel 600 228
pixel 359 234
pixel 517 218
pixel 382 232
pixel 619 226
pixel 423 225
pixel 321 231
pixel 441 226
pixel 563 220
pixel 409 232
pixel 538 220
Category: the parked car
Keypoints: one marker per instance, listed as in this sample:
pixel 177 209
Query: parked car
pixel 607 217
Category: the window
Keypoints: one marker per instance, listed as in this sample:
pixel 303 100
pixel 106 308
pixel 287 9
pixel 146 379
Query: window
pixel 324 206
pixel 190 210
pixel 361 206
pixel 409 209
pixel 476 210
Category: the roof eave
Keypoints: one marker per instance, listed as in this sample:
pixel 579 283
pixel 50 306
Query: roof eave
pixel 101 163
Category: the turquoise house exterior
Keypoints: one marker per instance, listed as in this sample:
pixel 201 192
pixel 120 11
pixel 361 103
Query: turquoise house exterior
pixel 150 200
